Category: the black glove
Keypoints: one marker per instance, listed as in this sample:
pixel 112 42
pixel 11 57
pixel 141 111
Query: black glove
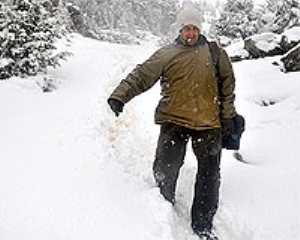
pixel 227 126
pixel 116 106
pixel 232 141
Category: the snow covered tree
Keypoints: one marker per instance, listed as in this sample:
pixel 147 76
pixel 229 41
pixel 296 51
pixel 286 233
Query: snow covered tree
pixel 27 35
pixel 160 15
pixel 238 19
pixel 278 15
pixel 124 20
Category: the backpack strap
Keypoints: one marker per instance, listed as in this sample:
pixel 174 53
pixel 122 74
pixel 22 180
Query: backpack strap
pixel 215 54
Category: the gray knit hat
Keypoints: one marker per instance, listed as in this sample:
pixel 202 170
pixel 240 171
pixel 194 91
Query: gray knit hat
pixel 188 16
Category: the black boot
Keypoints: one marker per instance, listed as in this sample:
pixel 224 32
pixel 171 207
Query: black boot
pixel 206 235
pixel 167 190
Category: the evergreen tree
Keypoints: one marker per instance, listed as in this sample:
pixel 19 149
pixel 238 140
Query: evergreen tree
pixel 238 20
pixel 278 15
pixel 27 35
pixel 161 14
pixel 118 20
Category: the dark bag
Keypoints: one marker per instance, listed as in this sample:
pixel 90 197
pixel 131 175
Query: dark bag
pixel 232 141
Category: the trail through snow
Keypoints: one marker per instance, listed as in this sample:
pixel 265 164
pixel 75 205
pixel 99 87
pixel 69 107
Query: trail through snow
pixel 69 169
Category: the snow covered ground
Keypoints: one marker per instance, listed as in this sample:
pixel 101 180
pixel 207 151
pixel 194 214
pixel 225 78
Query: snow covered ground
pixel 70 170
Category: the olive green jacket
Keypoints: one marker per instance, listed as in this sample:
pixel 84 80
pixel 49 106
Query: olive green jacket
pixel 192 94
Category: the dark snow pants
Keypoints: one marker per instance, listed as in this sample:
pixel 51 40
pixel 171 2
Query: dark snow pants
pixel 170 153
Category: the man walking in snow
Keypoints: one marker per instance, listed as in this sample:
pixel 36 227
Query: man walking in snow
pixel 197 103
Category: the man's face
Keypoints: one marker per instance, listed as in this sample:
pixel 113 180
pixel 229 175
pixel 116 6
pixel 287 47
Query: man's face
pixel 189 34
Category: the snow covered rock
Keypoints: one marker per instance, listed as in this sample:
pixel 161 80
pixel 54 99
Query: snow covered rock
pixel 291 60
pixel 254 51
pixel 237 52
pixel 264 45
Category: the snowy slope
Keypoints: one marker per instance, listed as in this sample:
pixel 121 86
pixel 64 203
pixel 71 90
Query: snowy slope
pixel 70 170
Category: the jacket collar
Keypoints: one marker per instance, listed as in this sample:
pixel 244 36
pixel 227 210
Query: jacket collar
pixel 201 41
